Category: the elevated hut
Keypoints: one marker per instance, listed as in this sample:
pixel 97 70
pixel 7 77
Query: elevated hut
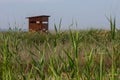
pixel 38 23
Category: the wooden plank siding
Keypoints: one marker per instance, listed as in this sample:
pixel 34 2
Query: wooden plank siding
pixel 38 23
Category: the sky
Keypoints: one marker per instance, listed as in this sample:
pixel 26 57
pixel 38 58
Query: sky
pixel 83 14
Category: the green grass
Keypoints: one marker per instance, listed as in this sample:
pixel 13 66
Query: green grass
pixel 69 55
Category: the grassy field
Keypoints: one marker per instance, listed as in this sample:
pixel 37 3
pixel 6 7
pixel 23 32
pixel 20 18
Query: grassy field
pixel 71 55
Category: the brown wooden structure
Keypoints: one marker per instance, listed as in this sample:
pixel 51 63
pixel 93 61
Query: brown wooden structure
pixel 38 23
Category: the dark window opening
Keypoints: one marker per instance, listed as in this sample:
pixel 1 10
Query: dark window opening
pixel 32 21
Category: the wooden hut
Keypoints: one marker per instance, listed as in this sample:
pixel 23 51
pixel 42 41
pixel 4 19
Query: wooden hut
pixel 38 23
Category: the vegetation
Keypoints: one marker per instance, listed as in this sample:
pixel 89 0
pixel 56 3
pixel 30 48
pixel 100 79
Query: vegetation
pixel 69 55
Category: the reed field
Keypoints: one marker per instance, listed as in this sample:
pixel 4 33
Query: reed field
pixel 64 55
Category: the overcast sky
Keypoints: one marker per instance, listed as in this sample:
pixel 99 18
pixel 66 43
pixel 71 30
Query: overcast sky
pixel 87 13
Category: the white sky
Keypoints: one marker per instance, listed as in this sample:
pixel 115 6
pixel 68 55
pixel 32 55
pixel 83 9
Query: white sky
pixel 87 13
